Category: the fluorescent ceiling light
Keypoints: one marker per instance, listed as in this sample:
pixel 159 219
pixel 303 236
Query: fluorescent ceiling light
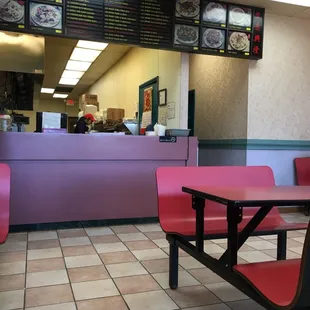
pixel 47 90
pixel 64 96
pixel 64 81
pixel 72 74
pixel 83 54
pixel 305 3
pixel 92 45
pixel 78 65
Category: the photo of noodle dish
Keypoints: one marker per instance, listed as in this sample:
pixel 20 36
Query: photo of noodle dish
pixel 187 8
pixel 12 11
pixel 241 17
pixel 239 41
pixel 186 35
pixel 215 12
pixel 213 38
pixel 45 15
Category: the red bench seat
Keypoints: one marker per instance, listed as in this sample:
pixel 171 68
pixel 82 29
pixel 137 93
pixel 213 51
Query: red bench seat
pixel 4 201
pixel 302 166
pixel 277 281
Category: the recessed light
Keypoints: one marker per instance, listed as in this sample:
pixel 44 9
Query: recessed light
pixel 64 81
pixel 92 45
pixel 84 54
pixel 305 3
pixel 64 96
pixel 78 65
pixel 47 90
pixel 68 74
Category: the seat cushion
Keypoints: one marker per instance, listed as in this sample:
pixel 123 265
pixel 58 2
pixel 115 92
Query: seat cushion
pixel 276 280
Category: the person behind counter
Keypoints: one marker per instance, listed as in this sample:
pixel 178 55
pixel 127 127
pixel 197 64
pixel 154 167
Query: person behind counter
pixel 83 122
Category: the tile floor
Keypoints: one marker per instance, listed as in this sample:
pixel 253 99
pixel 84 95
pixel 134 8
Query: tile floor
pixel 118 268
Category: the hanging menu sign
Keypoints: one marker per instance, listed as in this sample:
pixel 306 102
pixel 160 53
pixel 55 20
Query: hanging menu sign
pixel 84 18
pixel 156 23
pixel 12 14
pixel 121 21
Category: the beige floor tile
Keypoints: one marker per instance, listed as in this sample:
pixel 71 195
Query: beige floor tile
pixel 193 296
pixel 13 247
pixel 92 273
pixel 149 254
pixel 181 252
pixel 76 241
pixel 226 292
pixel 150 300
pixel 105 239
pixel 140 245
pixel 12 257
pixel 79 250
pixel 132 237
pixel 255 256
pixel 12 282
pixel 211 248
pixel 44 253
pixel 65 306
pixel 17 237
pixel 149 227
pixel 42 235
pixel 211 307
pixel 155 235
pixel 206 276
pixel 124 229
pixel 299 239
pixel 289 254
pixel 126 269
pixel 71 233
pixel 99 231
pixel 110 247
pixel 290 243
pixel 46 278
pixel 161 243
pixel 219 241
pixel 157 265
pixel 136 284
pixel 48 295
pixel 94 289
pixel 49 264
pixel 117 257
pixel 109 303
pixel 185 279
pixel 12 300
pixel 245 305
pixel 82 261
pixel 244 248
pixel 261 245
pixel 294 234
pixel 12 268
pixel 43 244
pixel 269 237
pixel 190 263
pixel 297 250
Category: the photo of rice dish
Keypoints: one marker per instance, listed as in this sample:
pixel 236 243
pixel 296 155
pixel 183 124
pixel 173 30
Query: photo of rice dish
pixel 213 38
pixel 187 8
pixel 239 41
pixel 12 12
pixel 45 15
pixel 186 35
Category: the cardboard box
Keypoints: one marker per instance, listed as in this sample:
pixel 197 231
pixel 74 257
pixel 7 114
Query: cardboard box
pixel 86 103
pixel 115 114
pixel 89 98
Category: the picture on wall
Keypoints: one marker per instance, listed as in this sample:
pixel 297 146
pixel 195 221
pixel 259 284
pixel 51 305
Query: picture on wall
pixel 148 99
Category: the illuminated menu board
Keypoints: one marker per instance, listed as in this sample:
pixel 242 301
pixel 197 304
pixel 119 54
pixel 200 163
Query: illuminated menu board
pixel 195 26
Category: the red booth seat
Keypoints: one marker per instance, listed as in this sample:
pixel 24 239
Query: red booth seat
pixel 4 201
pixel 302 166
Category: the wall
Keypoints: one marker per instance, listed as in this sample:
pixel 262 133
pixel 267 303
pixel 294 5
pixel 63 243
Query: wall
pixel 52 105
pixel 221 86
pixel 279 92
pixel 119 87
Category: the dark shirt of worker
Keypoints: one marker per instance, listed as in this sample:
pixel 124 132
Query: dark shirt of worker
pixel 81 126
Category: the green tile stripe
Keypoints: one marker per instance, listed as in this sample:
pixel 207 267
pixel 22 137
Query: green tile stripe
pixel 255 144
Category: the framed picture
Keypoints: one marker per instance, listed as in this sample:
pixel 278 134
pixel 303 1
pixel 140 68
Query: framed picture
pixel 163 97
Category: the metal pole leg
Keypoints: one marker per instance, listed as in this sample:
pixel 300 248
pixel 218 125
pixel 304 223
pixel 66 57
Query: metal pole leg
pixel 173 265
pixel 281 245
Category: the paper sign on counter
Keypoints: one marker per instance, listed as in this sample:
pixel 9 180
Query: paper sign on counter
pixel 146 119
pixel 51 120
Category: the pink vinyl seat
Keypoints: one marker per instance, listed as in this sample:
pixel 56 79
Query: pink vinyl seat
pixel 4 201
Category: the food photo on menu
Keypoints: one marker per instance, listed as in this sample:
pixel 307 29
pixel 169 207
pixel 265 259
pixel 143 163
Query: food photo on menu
pixel 186 35
pixel 45 15
pixel 240 17
pixel 214 12
pixel 189 9
pixel 213 38
pixel 12 11
pixel 239 42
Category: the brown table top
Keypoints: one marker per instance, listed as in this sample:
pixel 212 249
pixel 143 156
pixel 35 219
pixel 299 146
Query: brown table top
pixel 254 196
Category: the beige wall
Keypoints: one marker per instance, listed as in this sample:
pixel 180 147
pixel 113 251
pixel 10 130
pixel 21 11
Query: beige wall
pixel 119 87
pixel 53 105
pixel 221 86
pixel 279 92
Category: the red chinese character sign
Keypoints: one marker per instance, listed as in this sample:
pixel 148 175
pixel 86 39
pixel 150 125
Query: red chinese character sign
pixel 258 33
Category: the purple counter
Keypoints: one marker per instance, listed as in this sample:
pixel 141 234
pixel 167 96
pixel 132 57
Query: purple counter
pixel 61 178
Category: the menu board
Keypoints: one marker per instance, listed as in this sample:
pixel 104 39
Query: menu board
pixel 84 18
pixel 196 26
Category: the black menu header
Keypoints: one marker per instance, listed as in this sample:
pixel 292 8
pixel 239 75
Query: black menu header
pixel 196 26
